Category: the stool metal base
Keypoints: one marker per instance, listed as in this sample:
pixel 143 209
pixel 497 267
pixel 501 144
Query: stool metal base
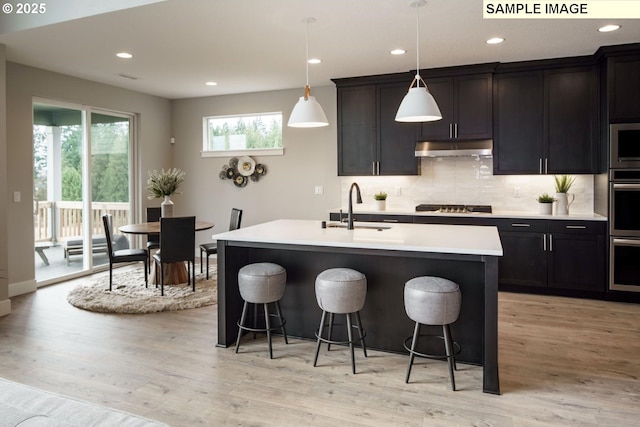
pixel 361 334
pixel 268 328
pixel 452 348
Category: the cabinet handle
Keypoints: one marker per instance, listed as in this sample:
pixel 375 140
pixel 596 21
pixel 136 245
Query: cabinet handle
pixel 544 242
pixel 520 225
pixel 450 130
pixel 550 242
pixel 540 166
pixel 373 168
pixel 455 128
pixel 377 168
pixel 546 166
pixel 389 220
pixel 576 226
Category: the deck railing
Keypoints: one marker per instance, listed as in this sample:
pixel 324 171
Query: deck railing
pixel 57 221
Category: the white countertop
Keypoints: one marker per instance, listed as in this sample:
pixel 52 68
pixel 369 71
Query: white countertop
pixel 495 214
pixel 436 238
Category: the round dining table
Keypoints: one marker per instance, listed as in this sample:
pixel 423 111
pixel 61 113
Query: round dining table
pixel 174 273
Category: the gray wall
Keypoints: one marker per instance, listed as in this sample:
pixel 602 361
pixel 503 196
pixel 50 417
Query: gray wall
pixel 5 304
pixel 286 191
pixel 23 83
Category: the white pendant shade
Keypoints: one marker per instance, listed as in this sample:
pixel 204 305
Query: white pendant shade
pixel 307 113
pixel 418 105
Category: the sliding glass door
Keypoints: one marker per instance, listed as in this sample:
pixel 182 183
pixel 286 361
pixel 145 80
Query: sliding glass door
pixel 82 169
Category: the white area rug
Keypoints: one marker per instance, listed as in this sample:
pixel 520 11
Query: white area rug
pixel 130 296
pixel 21 405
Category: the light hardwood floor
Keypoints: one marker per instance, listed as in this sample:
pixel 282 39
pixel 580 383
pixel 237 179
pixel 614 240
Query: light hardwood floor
pixel 563 362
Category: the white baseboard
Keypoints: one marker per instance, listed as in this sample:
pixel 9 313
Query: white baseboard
pixel 5 307
pixel 20 288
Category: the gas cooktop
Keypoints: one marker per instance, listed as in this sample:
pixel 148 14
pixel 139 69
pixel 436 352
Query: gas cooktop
pixel 454 208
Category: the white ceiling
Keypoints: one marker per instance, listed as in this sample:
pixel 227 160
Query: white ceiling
pixel 259 45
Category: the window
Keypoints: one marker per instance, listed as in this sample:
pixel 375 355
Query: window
pixel 256 134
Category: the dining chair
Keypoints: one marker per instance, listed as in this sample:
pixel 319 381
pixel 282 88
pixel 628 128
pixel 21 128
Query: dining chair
pixel 212 247
pixel 153 240
pixel 177 243
pixel 122 255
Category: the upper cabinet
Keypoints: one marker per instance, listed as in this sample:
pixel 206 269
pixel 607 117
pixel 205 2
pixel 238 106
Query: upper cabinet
pixel 624 88
pixel 466 105
pixel 546 121
pixel 370 141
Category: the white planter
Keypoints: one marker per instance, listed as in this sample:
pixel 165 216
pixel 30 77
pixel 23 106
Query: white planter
pixel 564 201
pixel 381 205
pixel 545 208
pixel 166 207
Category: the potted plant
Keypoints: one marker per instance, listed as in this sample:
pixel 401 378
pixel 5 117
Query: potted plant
pixel 563 185
pixel 545 202
pixel 381 200
pixel 165 184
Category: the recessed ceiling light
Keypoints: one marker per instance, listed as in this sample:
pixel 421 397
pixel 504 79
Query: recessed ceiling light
pixel 608 28
pixel 211 84
pixel 495 40
pixel 314 60
pixel 124 55
pixel 398 52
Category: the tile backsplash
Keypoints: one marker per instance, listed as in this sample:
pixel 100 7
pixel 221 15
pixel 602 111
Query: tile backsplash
pixel 466 180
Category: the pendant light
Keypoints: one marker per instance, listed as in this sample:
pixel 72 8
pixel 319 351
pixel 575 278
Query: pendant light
pixel 307 113
pixel 418 104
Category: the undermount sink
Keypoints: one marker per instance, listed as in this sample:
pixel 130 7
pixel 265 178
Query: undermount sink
pixel 364 226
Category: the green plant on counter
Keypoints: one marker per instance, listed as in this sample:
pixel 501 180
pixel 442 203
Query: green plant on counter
pixel 564 183
pixel 380 196
pixel 545 198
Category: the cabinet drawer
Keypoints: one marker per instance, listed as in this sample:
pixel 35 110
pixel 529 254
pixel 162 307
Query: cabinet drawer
pixel 577 227
pixel 457 220
pixel 522 225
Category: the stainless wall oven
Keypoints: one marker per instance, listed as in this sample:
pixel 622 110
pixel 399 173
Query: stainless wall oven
pixel 625 145
pixel 624 227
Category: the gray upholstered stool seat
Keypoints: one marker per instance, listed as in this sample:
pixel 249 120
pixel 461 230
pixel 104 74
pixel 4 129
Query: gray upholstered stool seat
pixel 262 283
pixel 341 291
pixel 432 300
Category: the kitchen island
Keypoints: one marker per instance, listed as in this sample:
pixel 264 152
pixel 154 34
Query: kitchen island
pixel 389 255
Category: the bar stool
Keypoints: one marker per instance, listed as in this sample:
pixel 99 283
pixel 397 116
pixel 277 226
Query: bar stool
pixel 262 283
pixel 341 291
pixel 432 300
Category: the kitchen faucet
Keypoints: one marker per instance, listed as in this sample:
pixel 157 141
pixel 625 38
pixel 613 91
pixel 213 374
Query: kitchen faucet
pixel 358 200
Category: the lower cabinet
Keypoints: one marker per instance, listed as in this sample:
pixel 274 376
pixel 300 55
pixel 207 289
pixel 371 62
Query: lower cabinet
pixel 540 256
pixel 558 255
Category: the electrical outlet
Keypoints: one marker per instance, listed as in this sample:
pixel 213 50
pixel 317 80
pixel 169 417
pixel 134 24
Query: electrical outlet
pixel 319 190
pixel 516 192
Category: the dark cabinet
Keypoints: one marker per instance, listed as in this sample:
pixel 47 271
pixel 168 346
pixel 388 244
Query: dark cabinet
pixel 356 130
pixel 518 131
pixel 556 255
pixel 466 106
pixel 370 141
pixel 576 256
pixel 624 88
pixel 544 256
pixel 546 121
pixel 524 260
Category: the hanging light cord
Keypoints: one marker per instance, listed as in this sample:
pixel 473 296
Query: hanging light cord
pixel 307 89
pixel 417 3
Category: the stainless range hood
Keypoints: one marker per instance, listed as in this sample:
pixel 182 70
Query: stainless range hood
pixel 478 148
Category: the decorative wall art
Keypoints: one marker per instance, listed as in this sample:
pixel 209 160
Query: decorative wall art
pixel 240 171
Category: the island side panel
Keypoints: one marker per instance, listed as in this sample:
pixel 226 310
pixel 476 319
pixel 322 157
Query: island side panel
pixel 491 381
pixel 229 299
